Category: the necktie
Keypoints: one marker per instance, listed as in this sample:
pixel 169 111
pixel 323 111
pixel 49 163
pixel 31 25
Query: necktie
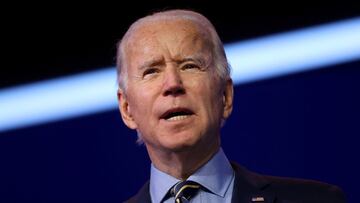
pixel 183 191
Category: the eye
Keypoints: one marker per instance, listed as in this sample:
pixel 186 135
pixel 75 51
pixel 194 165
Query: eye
pixel 150 71
pixel 190 66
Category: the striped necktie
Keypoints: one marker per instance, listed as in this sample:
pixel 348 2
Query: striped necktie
pixel 183 191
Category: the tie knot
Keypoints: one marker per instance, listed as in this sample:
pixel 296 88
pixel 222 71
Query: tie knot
pixel 183 191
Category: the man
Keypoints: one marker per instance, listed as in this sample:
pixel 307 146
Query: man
pixel 175 90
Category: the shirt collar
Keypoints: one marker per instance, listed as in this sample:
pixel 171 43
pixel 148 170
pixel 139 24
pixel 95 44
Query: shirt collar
pixel 160 183
pixel 215 175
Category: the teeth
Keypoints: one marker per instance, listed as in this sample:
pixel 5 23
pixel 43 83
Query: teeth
pixel 177 118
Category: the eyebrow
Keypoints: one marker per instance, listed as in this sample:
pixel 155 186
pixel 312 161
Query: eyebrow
pixel 151 62
pixel 191 58
pixel 199 58
pixel 159 61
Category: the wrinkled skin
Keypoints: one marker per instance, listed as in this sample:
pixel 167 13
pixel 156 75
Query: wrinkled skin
pixel 170 69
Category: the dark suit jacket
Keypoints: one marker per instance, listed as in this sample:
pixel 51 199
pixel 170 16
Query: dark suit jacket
pixel 250 187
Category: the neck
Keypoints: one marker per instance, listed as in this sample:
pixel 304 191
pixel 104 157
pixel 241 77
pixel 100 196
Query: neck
pixel 182 163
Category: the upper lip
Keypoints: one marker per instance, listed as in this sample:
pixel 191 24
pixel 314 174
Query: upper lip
pixel 176 111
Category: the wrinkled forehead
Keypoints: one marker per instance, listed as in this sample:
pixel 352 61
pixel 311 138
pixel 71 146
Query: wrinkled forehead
pixel 177 36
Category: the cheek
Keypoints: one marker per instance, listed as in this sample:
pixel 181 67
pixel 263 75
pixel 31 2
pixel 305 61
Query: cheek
pixel 211 97
pixel 145 99
pixel 140 104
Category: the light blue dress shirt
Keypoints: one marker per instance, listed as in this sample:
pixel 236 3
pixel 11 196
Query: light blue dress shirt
pixel 216 175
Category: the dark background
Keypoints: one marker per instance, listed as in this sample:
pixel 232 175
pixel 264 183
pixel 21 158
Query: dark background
pixel 302 125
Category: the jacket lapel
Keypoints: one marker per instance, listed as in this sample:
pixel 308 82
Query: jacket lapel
pixel 143 196
pixel 250 187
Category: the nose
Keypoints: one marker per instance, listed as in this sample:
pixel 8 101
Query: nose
pixel 173 84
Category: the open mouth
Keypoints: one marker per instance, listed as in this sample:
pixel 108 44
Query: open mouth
pixel 176 114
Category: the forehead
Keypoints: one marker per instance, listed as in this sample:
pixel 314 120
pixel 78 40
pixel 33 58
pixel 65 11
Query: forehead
pixel 174 28
pixel 177 38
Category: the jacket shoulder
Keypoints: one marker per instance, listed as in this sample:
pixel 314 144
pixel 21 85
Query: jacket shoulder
pixel 307 190
pixel 284 189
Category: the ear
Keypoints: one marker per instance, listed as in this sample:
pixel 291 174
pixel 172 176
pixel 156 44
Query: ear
pixel 125 110
pixel 228 98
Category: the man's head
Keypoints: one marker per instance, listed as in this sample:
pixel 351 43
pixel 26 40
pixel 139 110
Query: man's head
pixel 174 83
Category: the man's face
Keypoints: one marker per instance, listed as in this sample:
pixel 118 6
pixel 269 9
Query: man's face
pixel 174 98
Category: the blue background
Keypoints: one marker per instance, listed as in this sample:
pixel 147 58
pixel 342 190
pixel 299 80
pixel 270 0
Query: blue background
pixel 303 125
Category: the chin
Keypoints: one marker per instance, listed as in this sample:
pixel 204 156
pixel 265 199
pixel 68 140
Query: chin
pixel 178 148
pixel 181 143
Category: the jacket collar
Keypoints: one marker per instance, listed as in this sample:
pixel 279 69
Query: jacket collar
pixel 143 196
pixel 250 187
